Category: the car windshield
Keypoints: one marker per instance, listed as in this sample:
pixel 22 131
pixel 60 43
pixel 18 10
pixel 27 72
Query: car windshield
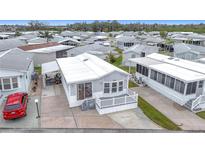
pixel 12 107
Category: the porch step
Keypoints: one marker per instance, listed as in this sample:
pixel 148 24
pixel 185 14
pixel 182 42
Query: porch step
pixel 188 105
pixel 197 109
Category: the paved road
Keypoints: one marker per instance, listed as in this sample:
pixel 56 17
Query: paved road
pixel 175 112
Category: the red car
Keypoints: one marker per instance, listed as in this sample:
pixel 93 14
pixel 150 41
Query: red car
pixel 16 105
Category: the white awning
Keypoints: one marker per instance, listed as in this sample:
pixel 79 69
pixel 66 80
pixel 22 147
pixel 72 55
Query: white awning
pixel 49 67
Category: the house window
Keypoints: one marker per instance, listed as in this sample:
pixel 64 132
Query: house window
pixel 88 90
pixel 114 87
pixel 161 78
pixel 81 91
pixel 153 75
pixel 179 86
pixel 145 71
pixel 120 88
pixel 6 83
pixel 61 54
pixel 142 54
pixel 170 82
pixel 139 68
pixel 199 86
pixel 106 87
pixel 84 91
pixel 14 82
pixel 142 70
pixel 191 88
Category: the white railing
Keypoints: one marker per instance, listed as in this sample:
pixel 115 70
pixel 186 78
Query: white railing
pixel 116 101
pixel 197 101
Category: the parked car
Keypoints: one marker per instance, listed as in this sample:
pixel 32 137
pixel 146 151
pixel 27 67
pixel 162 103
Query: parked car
pixel 15 106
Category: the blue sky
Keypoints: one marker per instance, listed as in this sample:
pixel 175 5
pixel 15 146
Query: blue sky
pixel 63 22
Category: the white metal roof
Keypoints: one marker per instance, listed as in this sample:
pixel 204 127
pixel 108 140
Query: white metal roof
pixel 49 67
pixel 178 72
pixel 144 61
pixel 85 67
pixel 194 66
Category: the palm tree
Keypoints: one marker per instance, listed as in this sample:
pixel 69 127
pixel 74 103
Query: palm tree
pixel 17 33
pixel 110 58
pixel 47 35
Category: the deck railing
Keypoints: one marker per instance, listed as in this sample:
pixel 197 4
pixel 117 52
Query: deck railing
pixel 197 101
pixel 131 97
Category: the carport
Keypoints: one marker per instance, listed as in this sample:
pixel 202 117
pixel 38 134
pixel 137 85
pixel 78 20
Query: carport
pixel 50 73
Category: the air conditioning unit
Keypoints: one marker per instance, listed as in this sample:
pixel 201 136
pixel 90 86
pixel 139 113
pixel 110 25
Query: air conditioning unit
pixel 88 104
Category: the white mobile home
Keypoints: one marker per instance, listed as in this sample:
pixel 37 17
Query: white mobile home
pixel 16 68
pixel 178 79
pixel 89 78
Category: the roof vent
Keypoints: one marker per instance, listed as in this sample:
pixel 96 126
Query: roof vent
pixel 85 59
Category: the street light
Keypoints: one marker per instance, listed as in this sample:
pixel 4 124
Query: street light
pixel 38 115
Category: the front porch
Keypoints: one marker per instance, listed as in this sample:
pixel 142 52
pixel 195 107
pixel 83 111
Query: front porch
pixel 106 105
pixel 197 104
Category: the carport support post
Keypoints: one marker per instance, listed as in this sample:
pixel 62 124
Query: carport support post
pixel 38 115
pixel 44 82
pixel 129 67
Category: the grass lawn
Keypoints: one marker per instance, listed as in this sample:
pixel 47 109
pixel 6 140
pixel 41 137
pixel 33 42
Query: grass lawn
pixel 156 116
pixel 201 114
pixel 119 50
pixel 118 61
pixel 132 84
pixel 167 53
pixel 126 68
pixel 38 69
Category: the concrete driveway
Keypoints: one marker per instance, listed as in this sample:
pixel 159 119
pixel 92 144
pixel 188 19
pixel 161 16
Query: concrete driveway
pixel 133 119
pixel 29 121
pixel 55 113
pixel 178 114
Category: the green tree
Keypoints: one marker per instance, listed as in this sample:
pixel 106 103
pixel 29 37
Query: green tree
pixel 110 58
pixel 36 25
pixel 163 34
pixel 47 35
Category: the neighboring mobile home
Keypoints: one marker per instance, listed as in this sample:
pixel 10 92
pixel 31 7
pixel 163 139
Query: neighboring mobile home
pixel 188 51
pixel 125 42
pixel 10 44
pixel 46 52
pixel 16 68
pixel 180 80
pixel 138 50
pixel 98 50
pixel 87 78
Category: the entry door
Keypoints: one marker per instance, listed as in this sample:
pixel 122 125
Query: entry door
pixel 200 90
